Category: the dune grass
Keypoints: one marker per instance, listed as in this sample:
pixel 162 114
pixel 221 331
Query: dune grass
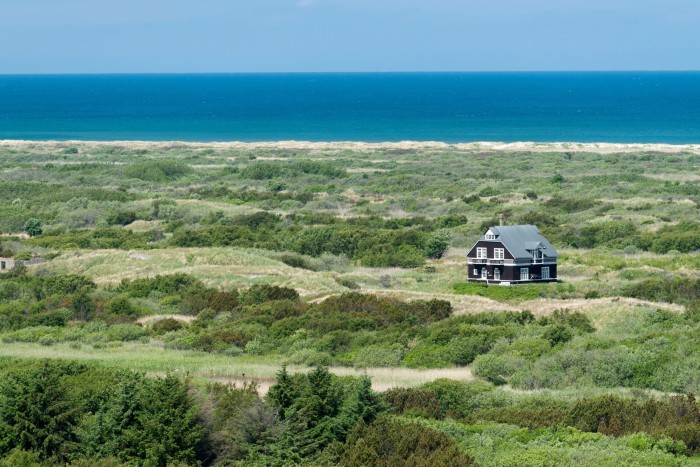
pixel 205 366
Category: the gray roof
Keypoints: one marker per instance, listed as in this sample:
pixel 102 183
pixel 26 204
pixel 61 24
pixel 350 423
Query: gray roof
pixel 520 238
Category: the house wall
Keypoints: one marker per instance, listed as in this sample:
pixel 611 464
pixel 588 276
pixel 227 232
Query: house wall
pixel 510 273
pixel 489 245
pixel 8 262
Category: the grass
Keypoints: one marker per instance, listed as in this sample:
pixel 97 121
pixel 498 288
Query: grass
pixel 224 268
pixel 153 359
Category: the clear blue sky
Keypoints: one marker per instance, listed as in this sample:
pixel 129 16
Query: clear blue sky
pixel 133 36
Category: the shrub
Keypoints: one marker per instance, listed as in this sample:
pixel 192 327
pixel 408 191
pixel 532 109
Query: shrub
pixel 121 218
pixel 371 357
pixel 458 399
pixel 157 170
pixel 496 368
pixel 33 227
pixel 224 301
pixel 124 333
pixel 260 293
pixel 388 442
pixel 427 355
pixel 413 401
pixel 297 261
pixel 166 325
pixel 121 306
pixel 558 334
pixel 437 244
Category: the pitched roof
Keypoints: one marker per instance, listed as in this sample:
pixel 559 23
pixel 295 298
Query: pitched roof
pixel 518 239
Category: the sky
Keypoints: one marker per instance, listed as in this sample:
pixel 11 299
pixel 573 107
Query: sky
pixel 192 36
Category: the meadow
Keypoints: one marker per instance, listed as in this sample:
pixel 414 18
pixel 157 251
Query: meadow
pixel 320 291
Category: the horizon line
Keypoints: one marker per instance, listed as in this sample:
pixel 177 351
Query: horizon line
pixel 117 73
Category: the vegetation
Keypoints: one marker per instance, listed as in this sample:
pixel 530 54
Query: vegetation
pixel 265 306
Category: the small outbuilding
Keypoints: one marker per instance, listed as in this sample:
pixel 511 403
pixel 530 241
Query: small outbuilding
pixel 6 264
pixel 512 254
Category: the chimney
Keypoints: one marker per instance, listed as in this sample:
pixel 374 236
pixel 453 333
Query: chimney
pixel 501 219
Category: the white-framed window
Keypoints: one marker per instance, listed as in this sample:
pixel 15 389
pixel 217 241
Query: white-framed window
pixel 498 253
pixel 524 274
pixel 484 273
pixel 481 253
pixel 476 272
pixel 490 236
pixel 497 274
pixel 545 273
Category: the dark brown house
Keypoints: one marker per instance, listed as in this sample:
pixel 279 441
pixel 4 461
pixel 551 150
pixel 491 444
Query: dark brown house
pixel 512 254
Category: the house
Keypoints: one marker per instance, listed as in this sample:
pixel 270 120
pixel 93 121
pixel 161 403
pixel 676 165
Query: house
pixel 9 263
pixel 6 264
pixel 512 254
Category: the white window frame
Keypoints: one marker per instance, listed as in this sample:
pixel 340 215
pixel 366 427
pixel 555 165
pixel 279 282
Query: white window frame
pixel 484 273
pixel 499 253
pixel 490 236
pixel 525 272
pixel 482 253
pixel 545 272
pixel 497 274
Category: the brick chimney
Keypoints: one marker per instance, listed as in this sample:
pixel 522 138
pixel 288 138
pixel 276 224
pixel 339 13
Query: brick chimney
pixel 501 219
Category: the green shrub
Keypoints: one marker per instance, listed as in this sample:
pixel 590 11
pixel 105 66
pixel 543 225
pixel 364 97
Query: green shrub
pixel 458 399
pixel 260 293
pixel 374 356
pixel 388 442
pixel 166 325
pixel 413 401
pixel 496 368
pixel 121 306
pixel 158 170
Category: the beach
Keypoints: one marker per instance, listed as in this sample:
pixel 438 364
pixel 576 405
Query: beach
pixel 525 146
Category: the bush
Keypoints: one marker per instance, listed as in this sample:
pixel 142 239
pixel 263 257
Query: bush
pixel 437 244
pixel 33 227
pixel 121 306
pixel 496 368
pixel 261 293
pixel 157 170
pixel 121 218
pixel 413 401
pixel 458 399
pixel 558 334
pixel 373 357
pixel 224 301
pixel 388 442
pixel 297 261
pixel 166 325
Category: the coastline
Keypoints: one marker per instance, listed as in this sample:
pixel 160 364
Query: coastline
pixel 523 146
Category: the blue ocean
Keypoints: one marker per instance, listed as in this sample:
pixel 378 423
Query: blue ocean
pixel 645 107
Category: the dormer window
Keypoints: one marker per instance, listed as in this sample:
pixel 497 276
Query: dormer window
pixel 490 236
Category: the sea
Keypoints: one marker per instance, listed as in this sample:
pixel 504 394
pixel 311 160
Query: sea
pixel 616 107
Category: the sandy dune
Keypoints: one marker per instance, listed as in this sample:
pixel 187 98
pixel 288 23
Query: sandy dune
pixel 603 148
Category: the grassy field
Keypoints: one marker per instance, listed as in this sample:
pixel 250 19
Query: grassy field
pixel 227 261
pixel 204 366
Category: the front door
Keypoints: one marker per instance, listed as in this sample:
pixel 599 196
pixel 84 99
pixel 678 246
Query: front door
pixel 497 274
